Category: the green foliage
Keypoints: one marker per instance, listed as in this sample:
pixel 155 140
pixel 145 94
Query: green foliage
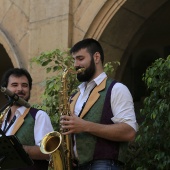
pixel 152 145
pixel 108 67
pixel 56 61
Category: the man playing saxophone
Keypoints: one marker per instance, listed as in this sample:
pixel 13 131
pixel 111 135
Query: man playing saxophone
pixel 29 124
pixel 102 112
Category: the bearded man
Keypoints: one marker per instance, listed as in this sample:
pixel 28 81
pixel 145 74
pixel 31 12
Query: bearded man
pixel 102 117
pixel 29 125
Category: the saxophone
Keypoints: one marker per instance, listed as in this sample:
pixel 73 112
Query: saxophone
pixel 3 114
pixel 54 143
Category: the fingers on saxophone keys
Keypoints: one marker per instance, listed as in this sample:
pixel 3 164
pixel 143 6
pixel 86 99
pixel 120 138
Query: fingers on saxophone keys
pixel 64 118
pixel 64 121
pixel 64 124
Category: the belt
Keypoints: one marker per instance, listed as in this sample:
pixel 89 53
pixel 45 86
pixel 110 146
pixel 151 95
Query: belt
pixel 115 162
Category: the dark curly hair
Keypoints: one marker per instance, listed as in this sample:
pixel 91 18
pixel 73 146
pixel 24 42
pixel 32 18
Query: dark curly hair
pixel 18 72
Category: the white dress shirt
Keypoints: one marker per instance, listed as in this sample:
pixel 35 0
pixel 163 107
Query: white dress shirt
pixel 41 128
pixel 121 101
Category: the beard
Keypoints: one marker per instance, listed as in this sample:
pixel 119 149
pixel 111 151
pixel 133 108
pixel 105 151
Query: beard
pixel 88 73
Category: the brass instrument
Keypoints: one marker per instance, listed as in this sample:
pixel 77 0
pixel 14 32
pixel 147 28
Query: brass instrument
pixel 2 115
pixel 54 143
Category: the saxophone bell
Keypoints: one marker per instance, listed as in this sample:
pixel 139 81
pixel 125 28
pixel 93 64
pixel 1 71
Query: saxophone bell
pixel 51 144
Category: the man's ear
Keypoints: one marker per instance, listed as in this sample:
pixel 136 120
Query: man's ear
pixel 97 57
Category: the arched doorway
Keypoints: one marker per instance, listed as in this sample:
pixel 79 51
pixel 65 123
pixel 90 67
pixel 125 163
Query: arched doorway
pixel 153 44
pixel 136 36
pixel 4 65
pixel 8 59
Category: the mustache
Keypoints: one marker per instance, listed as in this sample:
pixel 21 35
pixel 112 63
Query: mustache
pixel 20 93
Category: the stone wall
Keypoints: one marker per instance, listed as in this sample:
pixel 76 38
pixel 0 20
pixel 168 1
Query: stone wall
pixel 35 26
pixel 30 27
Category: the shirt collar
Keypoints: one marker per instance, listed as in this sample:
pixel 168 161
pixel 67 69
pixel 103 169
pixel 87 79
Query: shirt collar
pixel 97 81
pixel 21 110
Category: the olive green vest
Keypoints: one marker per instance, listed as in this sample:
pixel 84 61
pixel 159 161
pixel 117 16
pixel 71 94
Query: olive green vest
pixel 86 142
pixel 25 133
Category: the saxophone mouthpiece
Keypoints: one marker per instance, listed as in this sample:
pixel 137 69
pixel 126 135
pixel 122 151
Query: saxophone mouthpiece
pixel 81 70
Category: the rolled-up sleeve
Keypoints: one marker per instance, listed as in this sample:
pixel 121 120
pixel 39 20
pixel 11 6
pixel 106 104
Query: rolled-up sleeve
pixel 42 126
pixel 122 106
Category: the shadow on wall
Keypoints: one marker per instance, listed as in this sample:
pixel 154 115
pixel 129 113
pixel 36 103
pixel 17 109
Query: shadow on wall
pixel 136 67
pixel 5 64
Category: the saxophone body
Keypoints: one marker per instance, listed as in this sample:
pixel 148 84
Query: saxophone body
pixel 54 143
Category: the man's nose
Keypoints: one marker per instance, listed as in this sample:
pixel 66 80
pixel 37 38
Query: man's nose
pixel 76 63
pixel 19 88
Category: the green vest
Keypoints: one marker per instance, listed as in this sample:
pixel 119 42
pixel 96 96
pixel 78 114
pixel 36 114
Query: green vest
pixel 25 133
pixel 86 142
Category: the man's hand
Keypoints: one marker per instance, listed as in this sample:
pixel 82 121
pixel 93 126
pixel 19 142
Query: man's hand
pixel 72 124
pixel 113 132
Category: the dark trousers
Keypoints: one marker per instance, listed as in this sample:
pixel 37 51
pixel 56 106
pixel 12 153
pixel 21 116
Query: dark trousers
pixel 100 165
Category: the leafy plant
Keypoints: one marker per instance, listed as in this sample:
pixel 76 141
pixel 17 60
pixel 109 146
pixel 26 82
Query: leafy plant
pixel 56 61
pixel 152 145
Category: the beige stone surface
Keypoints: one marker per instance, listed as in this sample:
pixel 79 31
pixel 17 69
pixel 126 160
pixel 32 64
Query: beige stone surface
pixel 5 5
pixel 15 26
pixel 41 10
pixel 30 27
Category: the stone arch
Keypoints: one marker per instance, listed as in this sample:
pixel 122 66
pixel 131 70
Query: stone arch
pixel 9 49
pixel 150 41
pixel 123 31
pixel 8 60
pixel 92 20
pixel 118 25
pixel 103 18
